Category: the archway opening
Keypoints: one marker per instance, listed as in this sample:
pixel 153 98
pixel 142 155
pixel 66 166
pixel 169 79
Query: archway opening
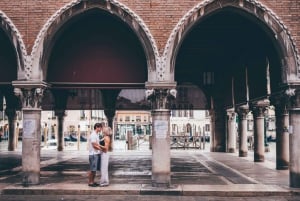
pixel 8 69
pixel 97 67
pixel 220 47
pixel 8 59
pixel 233 59
pixel 97 47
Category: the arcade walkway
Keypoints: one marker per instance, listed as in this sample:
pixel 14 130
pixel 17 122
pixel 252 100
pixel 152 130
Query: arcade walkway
pixel 194 173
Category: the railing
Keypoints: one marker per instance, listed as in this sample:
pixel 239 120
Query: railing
pixel 188 142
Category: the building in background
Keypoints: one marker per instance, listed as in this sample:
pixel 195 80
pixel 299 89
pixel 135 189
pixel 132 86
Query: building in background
pixel 131 121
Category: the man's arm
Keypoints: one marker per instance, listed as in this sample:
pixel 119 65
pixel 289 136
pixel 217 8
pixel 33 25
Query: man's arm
pixel 96 145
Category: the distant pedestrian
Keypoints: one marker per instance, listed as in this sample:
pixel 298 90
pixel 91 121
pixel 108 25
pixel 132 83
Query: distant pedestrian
pixel 106 147
pixel 94 154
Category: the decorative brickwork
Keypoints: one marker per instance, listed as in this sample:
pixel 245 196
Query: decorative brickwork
pixel 161 26
pixel 111 6
pixel 252 7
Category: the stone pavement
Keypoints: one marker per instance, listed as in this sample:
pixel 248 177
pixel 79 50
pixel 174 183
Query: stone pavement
pixel 196 175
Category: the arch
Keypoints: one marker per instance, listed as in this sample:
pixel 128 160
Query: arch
pixel 16 40
pixel 76 7
pixel 286 45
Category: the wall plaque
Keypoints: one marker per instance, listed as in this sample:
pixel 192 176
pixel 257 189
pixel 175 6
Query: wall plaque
pixel 161 128
pixel 28 128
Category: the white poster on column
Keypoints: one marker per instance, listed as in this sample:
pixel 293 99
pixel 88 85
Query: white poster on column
pixel 161 128
pixel 28 128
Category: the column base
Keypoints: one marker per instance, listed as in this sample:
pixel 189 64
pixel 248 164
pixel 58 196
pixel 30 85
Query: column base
pixel 282 164
pixel 231 150
pixel 30 178
pixel 161 180
pixel 259 158
pixel 282 167
pixel 294 180
pixel 243 154
pixel 160 185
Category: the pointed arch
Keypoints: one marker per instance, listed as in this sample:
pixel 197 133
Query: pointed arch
pixel 57 20
pixel 286 44
pixel 16 40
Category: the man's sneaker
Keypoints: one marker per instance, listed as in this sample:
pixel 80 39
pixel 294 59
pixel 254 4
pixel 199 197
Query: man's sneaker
pixel 93 185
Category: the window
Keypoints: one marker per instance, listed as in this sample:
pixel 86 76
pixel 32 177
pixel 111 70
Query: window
pixel 192 113
pixel 207 127
pixel 127 118
pixel 82 114
pixel 271 124
pixel 250 125
pixel 206 113
pixel 138 118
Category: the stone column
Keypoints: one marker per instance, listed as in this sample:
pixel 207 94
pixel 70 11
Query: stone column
pixel 218 126
pixel 282 134
pixel 60 133
pixel 161 155
pixel 231 131
pixel 294 119
pixel 11 115
pixel 31 98
pixel 259 109
pixel 243 144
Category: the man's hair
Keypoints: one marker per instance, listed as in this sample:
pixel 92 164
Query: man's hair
pixel 97 125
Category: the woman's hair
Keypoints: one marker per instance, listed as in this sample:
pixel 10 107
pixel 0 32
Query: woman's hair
pixel 108 132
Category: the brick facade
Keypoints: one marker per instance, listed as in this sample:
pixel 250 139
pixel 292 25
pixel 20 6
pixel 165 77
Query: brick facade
pixel 29 16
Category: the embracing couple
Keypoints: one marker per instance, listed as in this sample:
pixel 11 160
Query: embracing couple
pixel 98 154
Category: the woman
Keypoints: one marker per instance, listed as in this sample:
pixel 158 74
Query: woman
pixel 105 147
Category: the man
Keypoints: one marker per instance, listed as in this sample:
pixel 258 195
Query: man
pixel 94 154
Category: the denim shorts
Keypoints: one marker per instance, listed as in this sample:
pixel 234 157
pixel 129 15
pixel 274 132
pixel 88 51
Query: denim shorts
pixel 94 162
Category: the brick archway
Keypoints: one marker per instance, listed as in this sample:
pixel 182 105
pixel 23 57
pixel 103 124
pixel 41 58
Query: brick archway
pixel 285 43
pixel 42 45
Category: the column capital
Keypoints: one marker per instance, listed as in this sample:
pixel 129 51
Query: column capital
pixel 160 97
pixel 230 113
pixel 281 100
pixel 30 98
pixel 243 111
pixel 30 93
pixel 259 107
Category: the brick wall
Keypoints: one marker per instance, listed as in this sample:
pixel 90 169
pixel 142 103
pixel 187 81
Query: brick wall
pixel 161 16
